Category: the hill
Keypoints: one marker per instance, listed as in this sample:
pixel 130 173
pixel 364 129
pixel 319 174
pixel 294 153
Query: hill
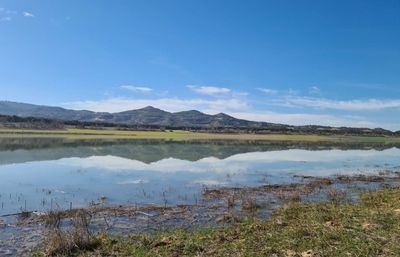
pixel 153 118
pixel 145 116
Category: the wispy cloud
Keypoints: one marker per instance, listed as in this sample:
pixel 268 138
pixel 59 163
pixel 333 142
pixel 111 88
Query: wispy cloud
pixel 209 90
pixel 7 11
pixel 350 105
pixel 136 88
pixel 28 14
pixel 6 15
pixel 305 110
pixel 294 99
pixel 309 119
pixel 267 90
pixel 169 104
pixel 314 90
pixel 6 18
pixel 235 107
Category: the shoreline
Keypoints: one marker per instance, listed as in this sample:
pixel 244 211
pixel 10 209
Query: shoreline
pixel 188 136
pixel 367 228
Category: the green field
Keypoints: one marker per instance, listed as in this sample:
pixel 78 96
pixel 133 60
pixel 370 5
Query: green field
pixel 184 135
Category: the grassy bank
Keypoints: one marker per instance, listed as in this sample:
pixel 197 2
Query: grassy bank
pixel 370 228
pixel 183 135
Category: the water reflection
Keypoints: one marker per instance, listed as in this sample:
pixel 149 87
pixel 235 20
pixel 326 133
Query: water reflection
pixel 57 174
pixel 20 150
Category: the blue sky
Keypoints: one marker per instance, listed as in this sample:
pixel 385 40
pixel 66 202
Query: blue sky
pixel 298 62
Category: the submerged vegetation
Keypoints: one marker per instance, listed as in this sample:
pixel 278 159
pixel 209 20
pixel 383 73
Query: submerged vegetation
pixel 334 228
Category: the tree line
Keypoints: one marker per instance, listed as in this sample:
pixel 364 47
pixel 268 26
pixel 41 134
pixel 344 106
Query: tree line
pixel 17 122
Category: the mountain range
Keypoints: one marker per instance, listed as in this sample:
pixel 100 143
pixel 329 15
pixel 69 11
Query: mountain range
pixel 145 116
pixel 150 116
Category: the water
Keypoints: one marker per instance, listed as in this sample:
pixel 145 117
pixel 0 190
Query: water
pixel 43 174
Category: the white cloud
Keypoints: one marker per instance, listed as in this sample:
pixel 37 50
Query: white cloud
pixel 137 88
pixel 6 15
pixel 235 107
pixel 209 182
pixel 235 164
pixel 7 18
pixel 240 94
pixel 309 119
pixel 28 14
pixel 314 90
pixel 350 105
pixel 7 11
pixel 267 91
pixel 208 90
pixel 169 104
pixel 133 181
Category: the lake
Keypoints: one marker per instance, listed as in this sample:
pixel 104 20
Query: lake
pixel 44 174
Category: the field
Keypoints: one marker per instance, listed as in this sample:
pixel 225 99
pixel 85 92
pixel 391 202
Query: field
pixel 184 135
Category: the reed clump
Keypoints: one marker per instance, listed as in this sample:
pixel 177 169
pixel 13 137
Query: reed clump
pixel 67 241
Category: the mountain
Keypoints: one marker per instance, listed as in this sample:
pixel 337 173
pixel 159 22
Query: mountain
pixel 145 116
pixel 150 117
pixel 39 111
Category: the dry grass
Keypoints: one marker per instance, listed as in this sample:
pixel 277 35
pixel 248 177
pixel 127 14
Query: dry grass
pixel 64 242
pixel 249 204
pixel 337 196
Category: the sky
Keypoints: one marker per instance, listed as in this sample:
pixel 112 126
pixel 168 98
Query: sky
pixel 326 62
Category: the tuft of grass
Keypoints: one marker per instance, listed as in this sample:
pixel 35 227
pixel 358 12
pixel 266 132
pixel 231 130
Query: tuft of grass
pixel 53 219
pixel 337 196
pixel 62 242
pixel 334 228
pixel 249 204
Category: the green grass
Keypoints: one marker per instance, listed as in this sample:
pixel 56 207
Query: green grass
pixel 371 228
pixel 183 135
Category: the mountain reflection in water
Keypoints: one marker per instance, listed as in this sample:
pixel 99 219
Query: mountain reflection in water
pixel 39 174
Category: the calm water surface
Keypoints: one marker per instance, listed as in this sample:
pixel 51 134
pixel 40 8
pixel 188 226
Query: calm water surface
pixel 40 174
